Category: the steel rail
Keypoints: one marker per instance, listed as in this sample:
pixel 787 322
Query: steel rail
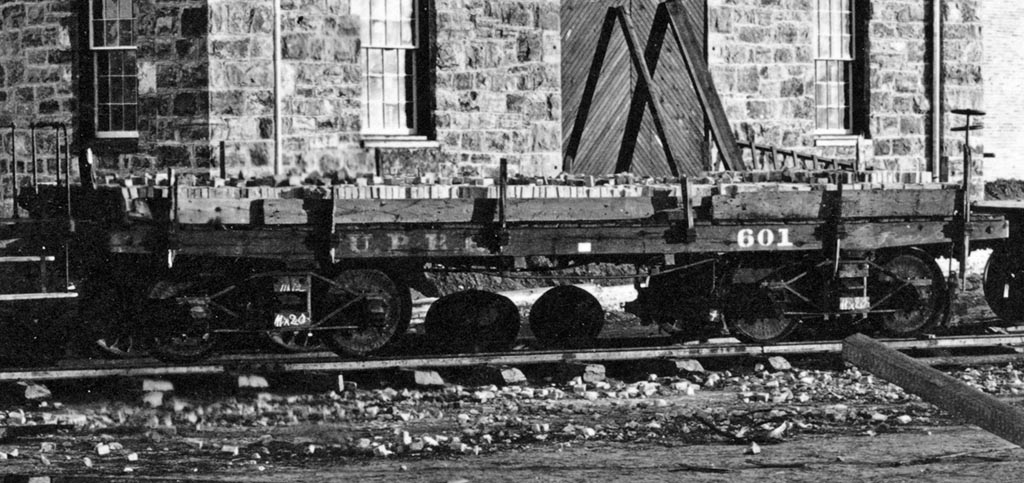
pixel 147 367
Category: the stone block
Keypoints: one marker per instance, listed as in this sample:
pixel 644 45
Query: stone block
pixel 421 377
pixel 588 373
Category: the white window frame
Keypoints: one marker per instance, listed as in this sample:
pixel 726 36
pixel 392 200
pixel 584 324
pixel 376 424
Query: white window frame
pixel 93 51
pixel 846 62
pixel 409 122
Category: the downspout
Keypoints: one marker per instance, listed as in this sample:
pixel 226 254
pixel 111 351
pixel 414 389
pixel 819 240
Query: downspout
pixel 937 106
pixel 278 137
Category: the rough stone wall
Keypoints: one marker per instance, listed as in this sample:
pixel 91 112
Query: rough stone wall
pixel 174 101
pixel 241 52
pixel 36 82
pixel 498 85
pixel 761 56
pixel 322 88
pixel 1004 74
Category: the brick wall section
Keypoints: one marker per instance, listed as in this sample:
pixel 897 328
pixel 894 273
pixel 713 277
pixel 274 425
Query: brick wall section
pixel 36 81
pixel 1004 75
pixel 498 80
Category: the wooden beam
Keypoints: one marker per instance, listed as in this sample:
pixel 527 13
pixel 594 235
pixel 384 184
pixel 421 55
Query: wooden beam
pixel 809 205
pixel 654 95
pixel 935 387
pixel 704 84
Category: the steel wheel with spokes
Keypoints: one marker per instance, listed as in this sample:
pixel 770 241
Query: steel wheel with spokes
pixel 362 312
pixel 181 322
pixel 910 287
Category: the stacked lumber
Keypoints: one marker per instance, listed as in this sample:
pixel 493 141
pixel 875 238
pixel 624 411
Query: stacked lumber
pixel 739 195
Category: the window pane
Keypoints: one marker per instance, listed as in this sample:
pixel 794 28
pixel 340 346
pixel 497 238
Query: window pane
pixel 391 119
pixel 374 115
pixel 126 9
pixel 109 9
pixel 378 32
pixel 394 33
pixel 116 90
pixel 116 65
pixel 103 117
pixel 97 33
pixel 102 63
pixel 130 118
pixel 375 88
pixel 103 90
pixel 97 9
pixel 375 62
pixel 111 34
pixel 128 59
pixel 131 88
pixel 116 118
pixel 401 89
pixel 391 61
pixel 126 32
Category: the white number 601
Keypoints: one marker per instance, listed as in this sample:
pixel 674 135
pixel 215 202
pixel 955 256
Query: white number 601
pixel 747 238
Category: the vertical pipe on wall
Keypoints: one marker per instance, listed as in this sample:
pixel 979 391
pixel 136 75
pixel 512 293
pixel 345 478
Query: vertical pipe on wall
pixel 937 106
pixel 278 143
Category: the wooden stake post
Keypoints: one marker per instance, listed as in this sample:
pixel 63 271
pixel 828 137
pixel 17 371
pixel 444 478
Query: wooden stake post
pixel 935 387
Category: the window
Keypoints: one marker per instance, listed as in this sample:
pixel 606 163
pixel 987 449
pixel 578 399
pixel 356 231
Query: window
pixel 390 54
pixel 115 79
pixel 833 67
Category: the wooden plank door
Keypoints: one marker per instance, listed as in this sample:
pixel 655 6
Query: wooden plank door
pixel 617 113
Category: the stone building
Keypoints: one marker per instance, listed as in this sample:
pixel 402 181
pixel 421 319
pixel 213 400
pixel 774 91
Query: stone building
pixel 452 86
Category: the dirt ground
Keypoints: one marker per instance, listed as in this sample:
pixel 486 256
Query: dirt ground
pixel 816 420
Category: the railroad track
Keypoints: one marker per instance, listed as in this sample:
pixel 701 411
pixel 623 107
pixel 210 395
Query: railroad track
pixel 328 362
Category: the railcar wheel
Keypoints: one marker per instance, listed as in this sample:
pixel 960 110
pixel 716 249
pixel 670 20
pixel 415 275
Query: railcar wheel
pixel 910 285
pixel 473 321
pixel 365 311
pixel 758 318
pixel 566 317
pixel 1004 284
pixel 181 325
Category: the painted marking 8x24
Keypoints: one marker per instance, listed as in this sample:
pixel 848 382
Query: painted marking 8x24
pixel 767 237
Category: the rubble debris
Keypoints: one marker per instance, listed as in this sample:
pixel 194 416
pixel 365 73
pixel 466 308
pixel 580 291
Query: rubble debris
pixel 34 391
pixel 157 385
pixel 153 399
pixel 421 377
pixel 588 373
pixel 779 363
pixel 249 381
